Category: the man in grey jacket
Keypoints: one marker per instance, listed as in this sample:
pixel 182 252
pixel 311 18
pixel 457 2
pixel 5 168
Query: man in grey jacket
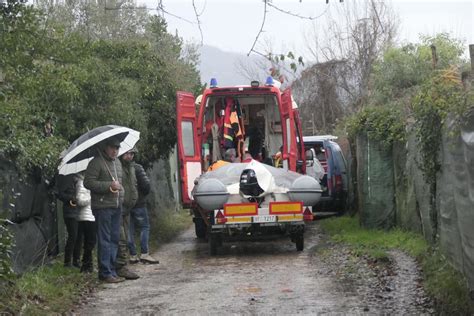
pixel 103 178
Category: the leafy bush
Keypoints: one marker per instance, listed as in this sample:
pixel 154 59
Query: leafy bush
pixel 403 68
pixel 439 97
pixel 384 123
pixel 6 244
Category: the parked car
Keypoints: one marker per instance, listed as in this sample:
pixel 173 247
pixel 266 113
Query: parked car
pixel 334 182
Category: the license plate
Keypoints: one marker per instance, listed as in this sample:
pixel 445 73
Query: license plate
pixel 264 219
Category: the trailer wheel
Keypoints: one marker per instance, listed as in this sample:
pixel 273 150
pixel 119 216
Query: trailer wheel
pixel 213 243
pixel 299 240
pixel 200 228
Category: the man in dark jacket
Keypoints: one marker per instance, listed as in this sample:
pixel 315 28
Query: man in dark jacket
pixel 139 219
pixel 103 178
pixel 131 194
pixel 66 187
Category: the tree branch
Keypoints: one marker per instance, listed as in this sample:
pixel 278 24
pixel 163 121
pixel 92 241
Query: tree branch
pixel 261 27
pixel 297 15
pixel 161 8
pixel 198 21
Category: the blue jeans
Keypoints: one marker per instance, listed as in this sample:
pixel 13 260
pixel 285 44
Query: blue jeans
pixel 108 235
pixel 139 219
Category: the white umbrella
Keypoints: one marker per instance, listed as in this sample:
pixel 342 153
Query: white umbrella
pixel 82 150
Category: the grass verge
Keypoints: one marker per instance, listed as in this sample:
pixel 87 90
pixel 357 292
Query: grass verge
pixel 442 282
pixel 54 289
pixel 50 289
pixel 167 224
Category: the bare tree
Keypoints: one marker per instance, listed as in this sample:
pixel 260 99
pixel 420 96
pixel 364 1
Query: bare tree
pixel 252 68
pixel 345 50
pixel 320 97
pixel 357 32
pixel 257 66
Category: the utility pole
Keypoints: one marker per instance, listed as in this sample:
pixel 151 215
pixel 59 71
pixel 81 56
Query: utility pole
pixel 312 121
pixel 471 52
pixel 434 57
pixel 467 77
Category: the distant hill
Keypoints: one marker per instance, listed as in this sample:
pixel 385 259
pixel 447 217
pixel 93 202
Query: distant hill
pixel 224 66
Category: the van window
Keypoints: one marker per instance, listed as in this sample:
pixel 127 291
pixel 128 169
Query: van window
pixel 340 161
pixel 319 151
pixel 188 138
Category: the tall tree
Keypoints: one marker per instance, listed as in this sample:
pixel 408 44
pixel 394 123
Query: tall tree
pixel 57 71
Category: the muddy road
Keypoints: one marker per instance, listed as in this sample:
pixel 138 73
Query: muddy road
pixel 269 278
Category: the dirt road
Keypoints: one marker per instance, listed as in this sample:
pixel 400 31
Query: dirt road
pixel 268 278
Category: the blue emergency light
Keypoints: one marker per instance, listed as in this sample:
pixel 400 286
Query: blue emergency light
pixel 213 83
pixel 269 81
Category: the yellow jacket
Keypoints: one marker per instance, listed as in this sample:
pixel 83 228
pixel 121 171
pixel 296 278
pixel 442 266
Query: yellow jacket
pixel 217 165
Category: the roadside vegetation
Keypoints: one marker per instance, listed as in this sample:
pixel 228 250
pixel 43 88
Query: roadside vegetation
pixel 54 289
pixel 445 285
pixel 75 66
pixel 50 289
pixel 167 224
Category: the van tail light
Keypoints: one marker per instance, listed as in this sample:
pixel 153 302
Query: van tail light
pixel 220 218
pixel 338 183
pixel 307 215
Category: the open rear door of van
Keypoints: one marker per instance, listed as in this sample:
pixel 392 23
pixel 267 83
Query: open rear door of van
pixel 330 166
pixel 290 149
pixel 189 153
pixel 299 139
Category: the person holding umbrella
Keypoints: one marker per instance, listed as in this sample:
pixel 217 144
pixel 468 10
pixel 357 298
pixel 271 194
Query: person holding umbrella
pixel 103 177
pixel 96 151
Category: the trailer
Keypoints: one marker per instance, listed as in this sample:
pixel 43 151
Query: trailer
pixel 265 192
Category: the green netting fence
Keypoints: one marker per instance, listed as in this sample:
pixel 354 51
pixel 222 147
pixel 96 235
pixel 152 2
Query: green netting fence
pixel 393 191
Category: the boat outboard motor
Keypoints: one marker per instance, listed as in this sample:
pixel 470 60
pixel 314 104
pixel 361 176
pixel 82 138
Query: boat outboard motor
pixel 248 185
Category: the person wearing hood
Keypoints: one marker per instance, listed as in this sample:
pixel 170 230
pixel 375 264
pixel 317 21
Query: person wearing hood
pixel 103 177
pixel 130 198
pixel 139 219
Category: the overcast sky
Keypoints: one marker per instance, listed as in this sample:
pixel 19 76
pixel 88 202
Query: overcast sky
pixel 232 25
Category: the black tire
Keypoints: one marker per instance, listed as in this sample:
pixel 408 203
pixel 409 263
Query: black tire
pixel 213 244
pixel 200 228
pixel 299 240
